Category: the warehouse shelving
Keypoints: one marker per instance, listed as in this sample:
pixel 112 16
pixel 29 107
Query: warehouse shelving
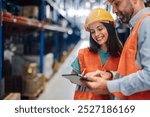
pixel 26 25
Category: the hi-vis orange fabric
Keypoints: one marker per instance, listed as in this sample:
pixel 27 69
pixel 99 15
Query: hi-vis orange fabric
pixel 127 64
pixel 90 62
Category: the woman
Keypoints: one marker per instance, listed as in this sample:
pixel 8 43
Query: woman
pixel 102 54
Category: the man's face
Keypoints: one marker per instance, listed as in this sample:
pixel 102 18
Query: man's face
pixel 123 9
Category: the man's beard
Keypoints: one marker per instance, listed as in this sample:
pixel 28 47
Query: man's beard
pixel 126 17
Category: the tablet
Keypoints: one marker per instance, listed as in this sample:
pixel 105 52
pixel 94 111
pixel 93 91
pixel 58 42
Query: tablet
pixel 75 78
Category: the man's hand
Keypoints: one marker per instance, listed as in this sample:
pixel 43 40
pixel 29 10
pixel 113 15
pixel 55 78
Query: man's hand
pixel 103 74
pixel 106 75
pixel 97 84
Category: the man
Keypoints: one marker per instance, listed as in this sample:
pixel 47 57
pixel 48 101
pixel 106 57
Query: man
pixel 134 66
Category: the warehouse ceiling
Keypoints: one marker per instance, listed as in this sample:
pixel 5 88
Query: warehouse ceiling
pixel 75 11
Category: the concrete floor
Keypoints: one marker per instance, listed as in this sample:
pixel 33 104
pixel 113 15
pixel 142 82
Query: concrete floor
pixel 59 88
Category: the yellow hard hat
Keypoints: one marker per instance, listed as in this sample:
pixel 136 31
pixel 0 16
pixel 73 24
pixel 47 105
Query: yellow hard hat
pixel 98 14
pixel 108 1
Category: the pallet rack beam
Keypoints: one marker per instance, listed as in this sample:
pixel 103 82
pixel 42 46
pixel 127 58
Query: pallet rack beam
pixel 25 2
pixel 7 17
pixel 56 28
pixel 27 22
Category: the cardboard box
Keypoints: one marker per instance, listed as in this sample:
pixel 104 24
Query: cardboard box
pixel 31 69
pixel 30 86
pixel 29 11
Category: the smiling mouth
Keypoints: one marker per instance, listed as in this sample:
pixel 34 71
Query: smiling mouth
pixel 100 38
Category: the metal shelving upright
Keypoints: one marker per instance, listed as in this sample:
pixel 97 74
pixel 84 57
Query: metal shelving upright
pixel 1 55
pixel 13 20
pixel 42 17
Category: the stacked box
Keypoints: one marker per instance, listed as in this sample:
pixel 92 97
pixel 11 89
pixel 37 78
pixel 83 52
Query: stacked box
pixel 29 11
pixel 30 86
pixel 31 70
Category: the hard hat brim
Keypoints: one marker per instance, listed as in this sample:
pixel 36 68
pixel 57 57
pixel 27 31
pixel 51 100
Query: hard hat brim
pixel 108 2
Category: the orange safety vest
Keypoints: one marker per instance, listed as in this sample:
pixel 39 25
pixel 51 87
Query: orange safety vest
pixel 90 62
pixel 127 64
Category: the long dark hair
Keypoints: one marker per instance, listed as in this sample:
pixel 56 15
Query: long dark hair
pixel 114 46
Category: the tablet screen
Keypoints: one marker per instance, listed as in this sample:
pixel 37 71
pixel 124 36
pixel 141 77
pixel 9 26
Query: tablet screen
pixel 74 78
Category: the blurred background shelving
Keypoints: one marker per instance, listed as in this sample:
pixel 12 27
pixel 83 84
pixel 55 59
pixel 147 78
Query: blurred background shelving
pixel 32 32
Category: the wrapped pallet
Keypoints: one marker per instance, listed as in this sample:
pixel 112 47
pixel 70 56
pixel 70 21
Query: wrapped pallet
pixel 48 65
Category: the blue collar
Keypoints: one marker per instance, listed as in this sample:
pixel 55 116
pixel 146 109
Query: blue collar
pixel 135 18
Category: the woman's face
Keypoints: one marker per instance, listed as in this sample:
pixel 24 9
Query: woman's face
pixel 99 33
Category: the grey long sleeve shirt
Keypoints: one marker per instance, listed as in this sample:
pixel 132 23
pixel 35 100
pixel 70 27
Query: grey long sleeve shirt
pixel 139 81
